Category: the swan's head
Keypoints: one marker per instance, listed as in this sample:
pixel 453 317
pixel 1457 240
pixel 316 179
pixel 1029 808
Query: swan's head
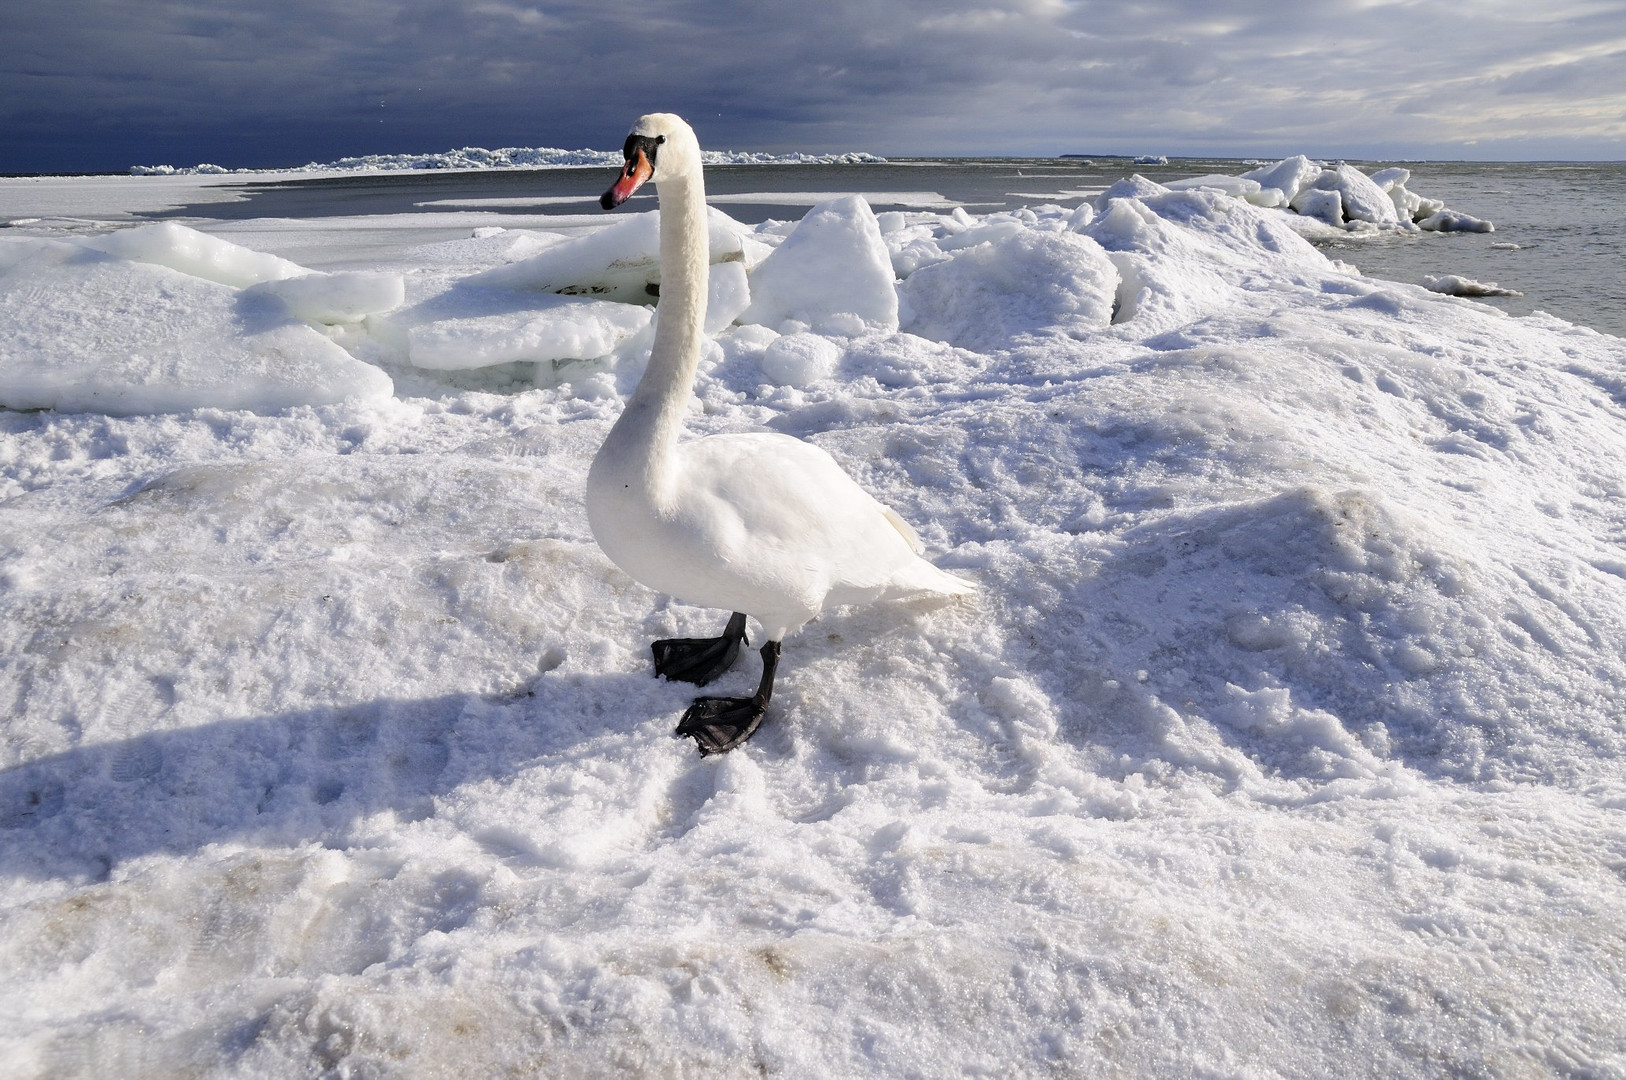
pixel 661 147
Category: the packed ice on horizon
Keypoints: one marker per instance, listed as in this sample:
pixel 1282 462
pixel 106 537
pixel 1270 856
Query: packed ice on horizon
pixel 510 157
pixel 1283 739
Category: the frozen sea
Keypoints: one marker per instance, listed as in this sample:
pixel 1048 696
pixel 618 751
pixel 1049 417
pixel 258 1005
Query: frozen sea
pixel 1284 737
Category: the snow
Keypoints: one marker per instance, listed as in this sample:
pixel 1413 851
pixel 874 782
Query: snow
pixel 1283 739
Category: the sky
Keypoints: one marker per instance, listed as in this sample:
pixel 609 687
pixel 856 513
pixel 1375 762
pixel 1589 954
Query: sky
pixel 100 85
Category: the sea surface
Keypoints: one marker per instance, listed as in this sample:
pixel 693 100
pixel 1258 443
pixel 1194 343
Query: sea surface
pixel 1560 234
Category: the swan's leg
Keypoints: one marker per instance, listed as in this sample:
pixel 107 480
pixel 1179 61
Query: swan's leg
pixel 699 660
pixel 719 724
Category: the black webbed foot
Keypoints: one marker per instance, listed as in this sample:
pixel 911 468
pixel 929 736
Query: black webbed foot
pixel 719 724
pixel 699 660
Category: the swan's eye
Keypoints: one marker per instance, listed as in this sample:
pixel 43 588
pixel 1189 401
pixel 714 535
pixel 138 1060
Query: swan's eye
pixel 642 142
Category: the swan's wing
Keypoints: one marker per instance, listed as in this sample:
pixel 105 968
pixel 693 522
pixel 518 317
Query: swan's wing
pixel 772 499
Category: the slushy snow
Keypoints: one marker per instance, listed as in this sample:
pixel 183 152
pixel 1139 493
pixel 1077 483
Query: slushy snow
pixel 1284 737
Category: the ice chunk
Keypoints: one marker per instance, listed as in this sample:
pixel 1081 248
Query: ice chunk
pixel 619 262
pixel 982 234
pixel 911 248
pixel 345 297
pixel 799 359
pixel 1455 285
pixel 1363 200
pixel 1408 207
pixel 891 221
pixel 1080 218
pixel 1321 204
pixel 1288 176
pixel 86 332
pixel 199 254
pixel 989 293
pixel 1238 187
pixel 835 264
pixel 1445 220
pixel 562 328
pixel 727 296
pixel 1391 178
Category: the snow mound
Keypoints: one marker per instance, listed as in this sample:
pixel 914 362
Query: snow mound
pixel 1182 254
pixel 1130 187
pixel 84 331
pixel 1010 286
pixel 833 273
pixel 799 360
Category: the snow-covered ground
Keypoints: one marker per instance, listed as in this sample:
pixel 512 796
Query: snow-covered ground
pixel 1285 737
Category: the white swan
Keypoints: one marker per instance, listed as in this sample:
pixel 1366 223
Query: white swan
pixel 758 524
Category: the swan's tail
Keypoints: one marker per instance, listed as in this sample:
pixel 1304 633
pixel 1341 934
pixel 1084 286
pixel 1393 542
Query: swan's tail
pixel 922 576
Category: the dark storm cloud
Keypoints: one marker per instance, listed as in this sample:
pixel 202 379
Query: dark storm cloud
pixel 99 84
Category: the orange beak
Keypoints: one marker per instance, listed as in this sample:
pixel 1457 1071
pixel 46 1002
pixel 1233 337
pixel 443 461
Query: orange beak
pixel 632 178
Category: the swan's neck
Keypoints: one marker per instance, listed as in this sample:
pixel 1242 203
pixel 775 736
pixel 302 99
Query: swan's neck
pixel 640 445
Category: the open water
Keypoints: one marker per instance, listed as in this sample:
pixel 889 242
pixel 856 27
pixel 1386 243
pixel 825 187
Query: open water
pixel 1560 234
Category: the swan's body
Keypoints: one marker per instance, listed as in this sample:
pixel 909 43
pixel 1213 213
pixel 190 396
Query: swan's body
pixel 761 524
